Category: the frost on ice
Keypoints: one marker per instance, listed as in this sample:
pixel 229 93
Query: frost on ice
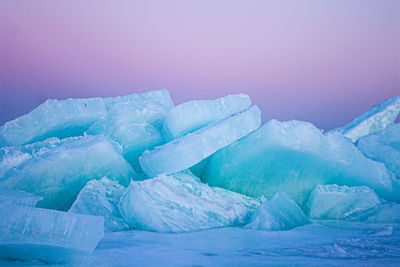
pixel 294 157
pixel 375 119
pixel 193 115
pixel 50 236
pixel 184 152
pixel 278 214
pixel 181 203
pixel 101 198
pixel 59 173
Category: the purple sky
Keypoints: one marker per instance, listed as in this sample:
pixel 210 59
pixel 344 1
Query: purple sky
pixel 322 61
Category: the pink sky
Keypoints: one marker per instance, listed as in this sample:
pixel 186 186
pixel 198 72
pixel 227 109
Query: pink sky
pixel 321 61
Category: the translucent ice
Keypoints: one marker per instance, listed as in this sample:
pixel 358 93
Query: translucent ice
pixel 358 203
pixel 18 197
pixel 190 149
pixel 28 233
pixel 180 203
pixel 66 118
pixel 377 118
pixel 333 202
pixel 193 115
pixel 101 198
pixel 280 213
pixel 60 172
pixel 294 157
pixel 383 146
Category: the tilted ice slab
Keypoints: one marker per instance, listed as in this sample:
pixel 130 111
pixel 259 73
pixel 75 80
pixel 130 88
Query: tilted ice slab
pixel 190 149
pixel 18 197
pixel 193 115
pixel 278 214
pixel 60 173
pixel 294 157
pixel 358 203
pixel 66 118
pixel 28 233
pixel 180 203
pixel 333 202
pixel 101 198
pixel 377 118
pixel 383 146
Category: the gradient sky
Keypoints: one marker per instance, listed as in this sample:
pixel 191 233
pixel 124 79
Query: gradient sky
pixel 322 61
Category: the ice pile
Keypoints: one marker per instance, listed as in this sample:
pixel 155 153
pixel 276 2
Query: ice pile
pixel 127 162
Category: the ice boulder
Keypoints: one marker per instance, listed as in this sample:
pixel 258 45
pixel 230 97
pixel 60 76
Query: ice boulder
pixel 184 152
pixel 59 173
pixel 28 233
pixel 383 146
pixel 193 115
pixel 333 202
pixel 180 203
pixel 278 214
pixel 377 118
pixel 101 198
pixel 358 203
pixel 67 118
pixel 294 157
pixel 18 198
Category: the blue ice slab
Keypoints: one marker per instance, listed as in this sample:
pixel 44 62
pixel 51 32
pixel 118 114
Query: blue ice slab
pixel 60 172
pixel 28 233
pixel 190 149
pixel 333 202
pixel 375 119
pixel 294 157
pixel 71 117
pixel 383 146
pixel 358 203
pixel 18 197
pixel 279 214
pixel 181 203
pixel 101 198
pixel 193 115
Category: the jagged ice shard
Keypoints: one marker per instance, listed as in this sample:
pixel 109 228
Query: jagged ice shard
pixel 377 118
pixel 184 152
pixel 278 214
pixel 66 118
pixel 59 173
pixel 294 157
pixel 383 146
pixel 28 233
pixel 358 203
pixel 101 198
pixel 193 115
pixel 181 203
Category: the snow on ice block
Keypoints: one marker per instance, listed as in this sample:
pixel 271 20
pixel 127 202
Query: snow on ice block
pixel 333 202
pixel 294 157
pixel 18 197
pixel 278 214
pixel 28 233
pixel 59 173
pixel 193 115
pixel 71 117
pixel 101 198
pixel 180 203
pixel 386 212
pixel 377 118
pixel 190 149
pixel 383 146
